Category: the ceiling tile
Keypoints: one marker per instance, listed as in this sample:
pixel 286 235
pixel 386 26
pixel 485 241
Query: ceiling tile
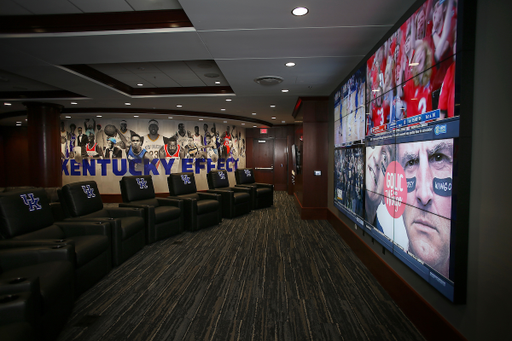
pixel 98 6
pixel 49 6
pixel 145 5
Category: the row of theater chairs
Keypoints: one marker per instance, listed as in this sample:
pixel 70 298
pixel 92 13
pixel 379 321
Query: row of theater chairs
pixel 45 264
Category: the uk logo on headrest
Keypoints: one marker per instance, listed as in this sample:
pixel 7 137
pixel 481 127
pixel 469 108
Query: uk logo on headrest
pixel 89 191
pixel 247 172
pixel 222 175
pixel 143 184
pixel 31 202
pixel 185 179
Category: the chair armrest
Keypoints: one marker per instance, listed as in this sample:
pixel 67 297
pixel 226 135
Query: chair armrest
pixel 19 257
pixel 241 189
pixel 121 212
pixel 20 306
pixel 264 185
pixel 13 285
pixel 170 202
pixel 15 243
pixel 210 196
pixel 84 228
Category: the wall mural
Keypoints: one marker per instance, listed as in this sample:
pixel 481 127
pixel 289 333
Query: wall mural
pixel 106 150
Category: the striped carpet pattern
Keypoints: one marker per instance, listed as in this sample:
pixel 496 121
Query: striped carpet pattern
pixel 267 275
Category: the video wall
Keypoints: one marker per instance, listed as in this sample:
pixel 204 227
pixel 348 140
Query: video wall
pixel 398 184
pixel 105 150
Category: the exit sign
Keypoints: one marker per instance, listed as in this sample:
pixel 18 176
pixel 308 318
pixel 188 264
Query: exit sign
pixel 263 131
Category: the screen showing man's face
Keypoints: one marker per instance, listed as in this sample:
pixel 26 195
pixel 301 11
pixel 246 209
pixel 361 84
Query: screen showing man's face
pixel 428 168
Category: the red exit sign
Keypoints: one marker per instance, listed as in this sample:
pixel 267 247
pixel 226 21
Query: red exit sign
pixel 263 131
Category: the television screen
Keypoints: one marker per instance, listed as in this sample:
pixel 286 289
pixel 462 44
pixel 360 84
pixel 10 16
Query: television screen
pixel 410 145
pixel 349 181
pixel 349 110
pixel 413 71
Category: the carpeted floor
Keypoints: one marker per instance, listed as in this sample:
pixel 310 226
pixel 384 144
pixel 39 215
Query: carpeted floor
pixel 265 276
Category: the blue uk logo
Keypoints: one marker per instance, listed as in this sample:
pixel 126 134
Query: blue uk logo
pixel 31 202
pixel 222 175
pixel 89 191
pixel 247 173
pixel 143 184
pixel 185 179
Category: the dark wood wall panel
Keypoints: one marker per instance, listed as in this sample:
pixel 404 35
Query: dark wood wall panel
pixel 15 157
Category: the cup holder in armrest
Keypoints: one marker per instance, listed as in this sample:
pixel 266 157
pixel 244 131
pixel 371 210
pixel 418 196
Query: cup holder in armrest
pixel 17 280
pixel 57 247
pixel 8 298
pixel 14 285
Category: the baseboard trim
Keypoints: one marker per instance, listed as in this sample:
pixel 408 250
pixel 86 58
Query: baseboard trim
pixel 429 322
pixel 311 213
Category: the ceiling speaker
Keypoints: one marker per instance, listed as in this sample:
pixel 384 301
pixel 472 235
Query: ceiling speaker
pixel 268 80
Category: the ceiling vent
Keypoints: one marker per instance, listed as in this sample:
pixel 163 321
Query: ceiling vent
pixel 268 80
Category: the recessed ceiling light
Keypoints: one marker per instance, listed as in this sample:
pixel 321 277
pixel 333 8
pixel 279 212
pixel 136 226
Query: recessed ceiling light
pixel 179 106
pixel 253 114
pixel 300 11
pixel 243 124
pixel 140 84
pixel 254 126
pixel 223 109
pixel 18 122
pixel 200 119
pixel 283 121
pixel 273 117
pixel 285 90
pixel 228 99
pixel 74 103
pixel 272 105
pixel 217 82
pixel 7 103
pixel 170 117
pixel 127 103
pixel 290 64
pixel 135 116
pixel 68 117
pixel 99 116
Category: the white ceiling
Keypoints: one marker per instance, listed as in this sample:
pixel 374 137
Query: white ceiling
pixel 246 39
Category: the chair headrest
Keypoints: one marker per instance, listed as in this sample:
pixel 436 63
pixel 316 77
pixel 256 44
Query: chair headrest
pixel 23 211
pixel 218 179
pixel 244 176
pixel 137 188
pixel 181 183
pixel 80 198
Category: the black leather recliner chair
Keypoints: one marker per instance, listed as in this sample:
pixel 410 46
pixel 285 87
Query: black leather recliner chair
pixel 163 216
pixel 36 290
pixel 262 194
pixel 235 200
pixel 26 219
pixel 81 201
pixel 201 209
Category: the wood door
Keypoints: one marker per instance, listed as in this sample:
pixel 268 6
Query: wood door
pixel 280 165
pixel 263 160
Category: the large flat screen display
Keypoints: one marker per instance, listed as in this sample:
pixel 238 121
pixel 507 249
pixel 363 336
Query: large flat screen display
pixel 349 110
pixel 410 145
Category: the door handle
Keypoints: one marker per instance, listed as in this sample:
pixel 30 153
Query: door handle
pixel 264 168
